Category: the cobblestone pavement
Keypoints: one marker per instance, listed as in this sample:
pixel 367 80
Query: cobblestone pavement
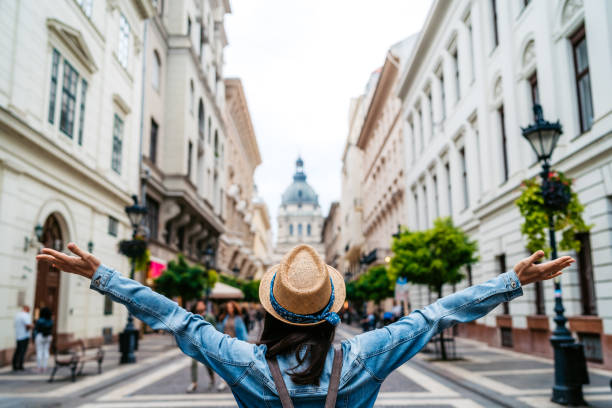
pixel 484 377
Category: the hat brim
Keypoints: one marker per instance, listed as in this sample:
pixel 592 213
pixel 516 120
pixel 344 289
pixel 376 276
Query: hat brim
pixel 264 294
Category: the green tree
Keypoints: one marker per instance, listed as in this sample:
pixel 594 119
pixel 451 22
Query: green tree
pixel 251 291
pixel 433 257
pixel 184 280
pixel 375 285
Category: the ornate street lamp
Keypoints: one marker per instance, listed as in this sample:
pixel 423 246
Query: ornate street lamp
pixel 543 137
pixel 128 339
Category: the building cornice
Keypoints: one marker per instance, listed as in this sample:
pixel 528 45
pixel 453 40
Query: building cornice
pixel 239 109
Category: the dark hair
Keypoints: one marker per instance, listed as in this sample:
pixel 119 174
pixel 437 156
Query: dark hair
pixel 45 313
pixel 309 343
pixel 195 305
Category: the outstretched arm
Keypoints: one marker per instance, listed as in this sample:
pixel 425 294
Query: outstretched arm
pixel 383 350
pixel 195 336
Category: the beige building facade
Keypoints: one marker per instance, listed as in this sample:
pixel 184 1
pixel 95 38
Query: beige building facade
pixel 185 137
pixel 236 249
pixel 263 247
pixel 70 76
pixel 332 236
pixel 382 143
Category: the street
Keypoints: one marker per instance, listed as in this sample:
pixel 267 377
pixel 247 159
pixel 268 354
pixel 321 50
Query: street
pixel 484 377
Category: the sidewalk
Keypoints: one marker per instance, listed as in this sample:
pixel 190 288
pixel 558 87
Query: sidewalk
pixel 29 384
pixel 511 378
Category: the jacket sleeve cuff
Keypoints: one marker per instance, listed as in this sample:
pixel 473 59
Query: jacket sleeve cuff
pixel 513 284
pixel 101 278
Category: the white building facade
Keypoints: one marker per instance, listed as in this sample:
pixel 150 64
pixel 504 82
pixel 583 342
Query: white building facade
pixel 70 76
pixel 299 217
pixel 476 71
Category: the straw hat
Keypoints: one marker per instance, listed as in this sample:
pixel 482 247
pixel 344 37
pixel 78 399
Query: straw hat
pixel 302 285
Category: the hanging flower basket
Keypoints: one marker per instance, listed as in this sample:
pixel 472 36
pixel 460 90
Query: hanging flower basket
pixel 133 248
pixel 556 191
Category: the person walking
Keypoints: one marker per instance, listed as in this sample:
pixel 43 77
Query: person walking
pixel 23 325
pixel 43 329
pixel 199 308
pixel 294 363
pixel 231 323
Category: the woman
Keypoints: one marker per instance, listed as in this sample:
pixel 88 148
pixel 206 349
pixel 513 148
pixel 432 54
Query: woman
pixel 231 323
pixel 42 338
pixel 294 362
pixel 199 308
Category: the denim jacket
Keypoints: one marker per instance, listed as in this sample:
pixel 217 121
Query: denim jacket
pixel 368 358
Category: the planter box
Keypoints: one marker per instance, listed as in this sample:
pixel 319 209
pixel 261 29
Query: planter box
pixel 537 322
pixel 585 324
pixel 504 320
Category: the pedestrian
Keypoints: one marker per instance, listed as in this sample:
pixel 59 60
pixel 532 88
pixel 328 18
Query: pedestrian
pixel 231 323
pixel 23 325
pixel 294 363
pixel 199 308
pixel 43 329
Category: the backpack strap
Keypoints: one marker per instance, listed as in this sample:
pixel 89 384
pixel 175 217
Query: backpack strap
pixel 334 381
pixel 283 394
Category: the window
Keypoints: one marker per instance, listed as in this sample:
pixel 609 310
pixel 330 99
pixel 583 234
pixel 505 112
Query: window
pixel 108 305
pixel 308 229
pixel 430 104
pixel 113 226
pixel 216 145
pixel 69 89
pixel 533 87
pixel 156 71
pixel 504 144
pixel 124 41
pixel 449 188
pixel 117 144
pixel 585 275
pixel 494 18
pixel 209 129
pixel 436 198
pixel 425 209
pixel 188 26
pixel 539 298
pixel 442 96
pixel 189 154
pixel 290 229
pixel 300 230
pixel 53 88
pixel 468 22
pixel 526 3
pixel 152 218
pixel 583 79
pixel 153 141
pixel 201 121
pixel 86 6
pixel 501 262
pixel 191 96
pixel 82 110
pixel 413 139
pixel 456 69
pixel 416 207
pixel 466 196
pixel 420 119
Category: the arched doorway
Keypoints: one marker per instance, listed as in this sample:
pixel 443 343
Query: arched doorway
pixel 48 277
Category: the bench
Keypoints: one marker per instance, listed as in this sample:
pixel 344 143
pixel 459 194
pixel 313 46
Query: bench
pixel 74 355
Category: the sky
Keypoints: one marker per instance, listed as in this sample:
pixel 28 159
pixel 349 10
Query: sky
pixel 300 63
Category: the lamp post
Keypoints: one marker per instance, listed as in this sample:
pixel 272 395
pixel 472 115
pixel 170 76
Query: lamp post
pixel 543 137
pixel 129 338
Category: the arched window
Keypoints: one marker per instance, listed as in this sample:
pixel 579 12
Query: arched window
pixel 191 95
pixel 308 230
pixel 300 229
pixel 290 229
pixel 201 121
pixel 156 71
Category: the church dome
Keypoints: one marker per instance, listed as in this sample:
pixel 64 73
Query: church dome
pixel 300 192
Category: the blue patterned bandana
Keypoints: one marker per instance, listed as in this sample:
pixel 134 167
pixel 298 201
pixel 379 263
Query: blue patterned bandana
pixel 325 314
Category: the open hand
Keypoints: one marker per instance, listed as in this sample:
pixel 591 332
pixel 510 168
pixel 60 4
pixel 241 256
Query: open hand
pixel 528 271
pixel 84 264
